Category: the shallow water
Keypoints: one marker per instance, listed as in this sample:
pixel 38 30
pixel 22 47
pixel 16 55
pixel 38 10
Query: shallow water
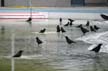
pixel 64 57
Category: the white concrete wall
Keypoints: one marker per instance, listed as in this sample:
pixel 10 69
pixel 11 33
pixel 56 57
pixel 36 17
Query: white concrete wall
pixel 46 3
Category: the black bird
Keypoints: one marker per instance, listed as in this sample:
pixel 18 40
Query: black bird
pixel 105 17
pixel 58 28
pixel 92 29
pixel 97 48
pixel 96 27
pixel 62 30
pixel 18 54
pixel 88 23
pixel 60 21
pixel 84 30
pixel 70 20
pixel 38 41
pixel 67 24
pixel 71 23
pixel 29 19
pixel 42 31
pixel 79 26
pixel 69 41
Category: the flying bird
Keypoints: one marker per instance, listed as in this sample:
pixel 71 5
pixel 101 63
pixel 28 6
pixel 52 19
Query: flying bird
pixel 97 48
pixel 105 17
pixel 18 54
pixel 38 41
pixel 69 41
pixel 42 31
pixel 29 19
pixel 58 28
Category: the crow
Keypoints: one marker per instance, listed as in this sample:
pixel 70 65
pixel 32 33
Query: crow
pixel 92 29
pixel 29 19
pixel 62 30
pixel 38 41
pixel 97 48
pixel 96 27
pixel 18 54
pixel 84 30
pixel 67 24
pixel 79 26
pixel 58 28
pixel 105 17
pixel 70 20
pixel 42 31
pixel 88 23
pixel 71 23
pixel 60 21
pixel 69 41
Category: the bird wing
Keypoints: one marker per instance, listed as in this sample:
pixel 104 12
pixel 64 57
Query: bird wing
pixel 40 41
pixel 104 16
pixel 104 48
pixel 42 31
pixel 94 38
pixel 86 30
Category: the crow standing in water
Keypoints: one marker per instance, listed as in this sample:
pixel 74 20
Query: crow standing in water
pixel 97 48
pixel 84 30
pixel 42 31
pixel 79 26
pixel 96 27
pixel 62 30
pixel 105 17
pixel 58 28
pixel 29 19
pixel 71 21
pixel 38 41
pixel 69 41
pixel 60 21
pixel 92 29
pixel 67 24
pixel 18 54
pixel 88 23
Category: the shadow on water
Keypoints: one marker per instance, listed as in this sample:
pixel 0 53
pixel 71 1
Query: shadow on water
pixel 30 23
pixel 2 31
pixel 99 64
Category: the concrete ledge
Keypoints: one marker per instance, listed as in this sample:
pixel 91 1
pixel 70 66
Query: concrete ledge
pixel 86 13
